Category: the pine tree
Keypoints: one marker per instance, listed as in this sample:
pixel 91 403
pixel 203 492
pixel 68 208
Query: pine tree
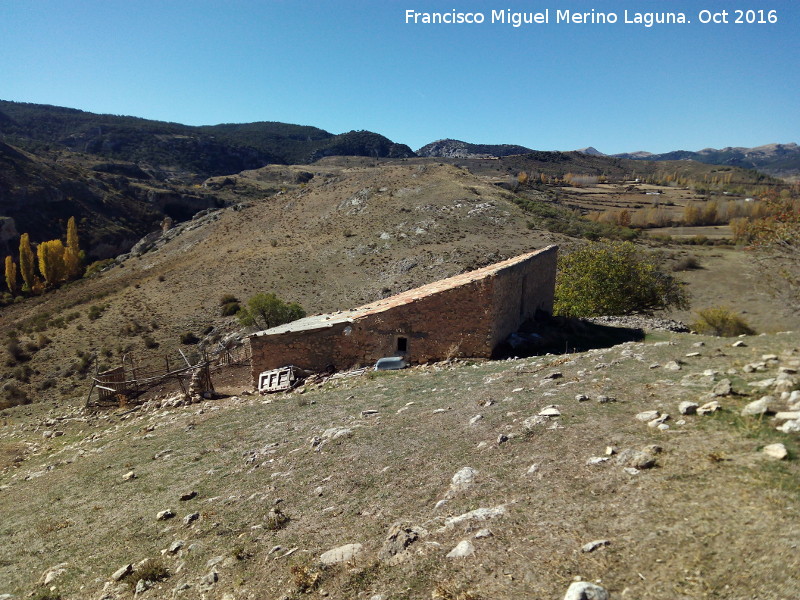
pixel 26 263
pixel 51 261
pixel 72 253
pixel 11 275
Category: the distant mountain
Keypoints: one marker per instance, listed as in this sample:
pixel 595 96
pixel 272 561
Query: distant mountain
pixel 780 160
pixel 591 151
pixel 459 149
pixel 170 149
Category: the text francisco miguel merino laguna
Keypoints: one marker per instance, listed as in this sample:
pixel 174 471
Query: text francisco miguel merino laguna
pixel 517 19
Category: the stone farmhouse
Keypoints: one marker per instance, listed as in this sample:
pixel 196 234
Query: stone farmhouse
pixel 466 315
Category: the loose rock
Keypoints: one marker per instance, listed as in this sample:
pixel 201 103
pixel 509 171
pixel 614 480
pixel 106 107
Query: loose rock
pixel 479 514
pixel 636 459
pixel 648 415
pixel 709 407
pixel 777 451
pixel 761 406
pixel 122 572
pixel 175 546
pixel 583 590
pixel 723 388
pixel 688 408
pixel 463 479
pixel 341 554
pixel 592 546
pixel 401 537
pixel 462 550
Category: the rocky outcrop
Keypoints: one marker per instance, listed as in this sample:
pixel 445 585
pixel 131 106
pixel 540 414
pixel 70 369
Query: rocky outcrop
pixel 458 149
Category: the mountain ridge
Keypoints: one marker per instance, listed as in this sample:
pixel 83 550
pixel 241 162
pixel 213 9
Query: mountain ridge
pixel 186 151
pixel 777 159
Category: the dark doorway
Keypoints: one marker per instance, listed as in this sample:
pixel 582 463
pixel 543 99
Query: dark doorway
pixel 402 344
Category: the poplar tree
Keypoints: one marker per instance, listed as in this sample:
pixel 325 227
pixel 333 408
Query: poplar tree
pixel 11 275
pixel 51 261
pixel 26 263
pixel 72 253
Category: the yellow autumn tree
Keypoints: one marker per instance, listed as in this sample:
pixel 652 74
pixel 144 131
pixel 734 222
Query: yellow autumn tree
pixel 11 275
pixel 26 263
pixel 51 261
pixel 72 252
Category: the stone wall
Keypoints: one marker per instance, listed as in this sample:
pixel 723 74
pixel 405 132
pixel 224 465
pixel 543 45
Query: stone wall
pixel 521 290
pixel 468 318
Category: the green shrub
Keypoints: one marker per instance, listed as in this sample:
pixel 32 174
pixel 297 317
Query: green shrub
pixel 95 311
pixel 721 321
pixel 97 266
pixel 687 263
pixel 12 395
pixel 230 309
pixel 46 595
pixel 227 299
pixel 22 373
pixel 189 338
pixel 267 310
pixel 153 569
pixel 229 305
pixel 276 520
pixel 613 278
pixel 16 353
pixel 149 342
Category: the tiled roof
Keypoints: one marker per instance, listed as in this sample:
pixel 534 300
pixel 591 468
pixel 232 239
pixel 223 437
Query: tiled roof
pixel 328 320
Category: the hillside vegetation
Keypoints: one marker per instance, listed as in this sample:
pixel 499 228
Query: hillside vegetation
pixel 183 150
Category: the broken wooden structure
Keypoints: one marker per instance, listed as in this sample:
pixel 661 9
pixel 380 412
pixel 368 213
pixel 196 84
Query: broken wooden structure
pixel 123 384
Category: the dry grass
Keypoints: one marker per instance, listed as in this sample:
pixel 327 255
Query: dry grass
pixel 710 504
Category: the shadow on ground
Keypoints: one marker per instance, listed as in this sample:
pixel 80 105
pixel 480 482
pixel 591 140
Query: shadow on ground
pixel 563 335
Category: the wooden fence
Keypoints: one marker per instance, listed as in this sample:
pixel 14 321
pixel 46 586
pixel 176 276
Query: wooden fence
pixel 123 384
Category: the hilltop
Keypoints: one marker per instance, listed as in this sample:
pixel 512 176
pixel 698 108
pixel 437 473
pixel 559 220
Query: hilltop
pixel 459 149
pixel 172 150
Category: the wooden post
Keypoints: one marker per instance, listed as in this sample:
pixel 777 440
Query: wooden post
pixel 184 358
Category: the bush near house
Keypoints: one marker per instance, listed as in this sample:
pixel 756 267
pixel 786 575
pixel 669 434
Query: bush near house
pixel 721 321
pixel 613 278
pixel 267 310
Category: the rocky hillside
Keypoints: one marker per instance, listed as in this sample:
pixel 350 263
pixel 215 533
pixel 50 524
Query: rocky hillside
pixel 657 470
pixel 333 237
pixel 336 234
pixel 779 160
pixel 459 149
pixel 175 150
pixel 115 204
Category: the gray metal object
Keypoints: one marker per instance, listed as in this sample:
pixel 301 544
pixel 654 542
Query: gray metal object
pixel 390 363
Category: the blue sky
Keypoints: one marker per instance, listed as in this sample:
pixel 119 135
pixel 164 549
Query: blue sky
pixel 346 64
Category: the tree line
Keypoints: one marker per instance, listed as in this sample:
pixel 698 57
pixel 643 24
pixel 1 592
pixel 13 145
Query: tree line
pixel 53 263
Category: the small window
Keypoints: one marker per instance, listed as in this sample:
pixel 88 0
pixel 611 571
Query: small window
pixel 402 344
